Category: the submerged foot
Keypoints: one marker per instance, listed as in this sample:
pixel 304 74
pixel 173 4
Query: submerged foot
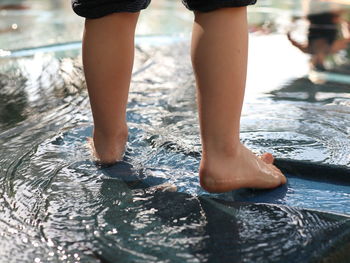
pixel 241 169
pixel 108 150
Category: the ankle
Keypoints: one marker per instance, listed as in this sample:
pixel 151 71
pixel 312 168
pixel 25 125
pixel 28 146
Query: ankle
pixel 120 134
pixel 109 147
pixel 225 150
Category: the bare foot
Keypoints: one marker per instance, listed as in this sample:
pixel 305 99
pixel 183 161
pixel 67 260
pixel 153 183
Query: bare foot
pixel 241 169
pixel 108 150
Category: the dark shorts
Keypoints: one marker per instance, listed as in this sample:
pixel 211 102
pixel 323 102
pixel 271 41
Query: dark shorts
pixel 100 8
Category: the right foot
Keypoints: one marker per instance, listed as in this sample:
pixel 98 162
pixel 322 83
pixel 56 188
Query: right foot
pixel 108 150
pixel 241 169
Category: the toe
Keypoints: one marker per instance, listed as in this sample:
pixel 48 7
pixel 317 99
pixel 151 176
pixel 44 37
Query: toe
pixel 283 179
pixel 267 158
pixel 277 172
pixel 277 169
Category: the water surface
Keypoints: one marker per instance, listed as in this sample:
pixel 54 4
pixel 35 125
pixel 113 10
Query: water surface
pixel 57 205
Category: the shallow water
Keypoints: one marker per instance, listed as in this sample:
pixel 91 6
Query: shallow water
pixel 56 202
pixel 56 205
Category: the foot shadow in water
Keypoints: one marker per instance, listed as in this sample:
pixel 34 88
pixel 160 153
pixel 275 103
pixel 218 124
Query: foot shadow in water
pixel 271 196
pixel 212 230
pixel 134 178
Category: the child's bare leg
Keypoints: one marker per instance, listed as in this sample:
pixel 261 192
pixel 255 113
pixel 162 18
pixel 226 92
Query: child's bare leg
pixel 108 54
pixel 219 57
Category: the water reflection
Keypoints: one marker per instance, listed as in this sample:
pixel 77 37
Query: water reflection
pixel 149 226
pixel 303 89
pixel 13 100
pixel 327 33
pixel 30 86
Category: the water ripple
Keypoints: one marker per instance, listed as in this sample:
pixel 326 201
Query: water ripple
pixel 57 205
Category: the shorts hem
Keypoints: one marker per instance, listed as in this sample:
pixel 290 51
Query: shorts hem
pixel 214 5
pixel 98 11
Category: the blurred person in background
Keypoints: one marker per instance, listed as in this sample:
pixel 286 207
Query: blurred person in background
pixel 328 32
